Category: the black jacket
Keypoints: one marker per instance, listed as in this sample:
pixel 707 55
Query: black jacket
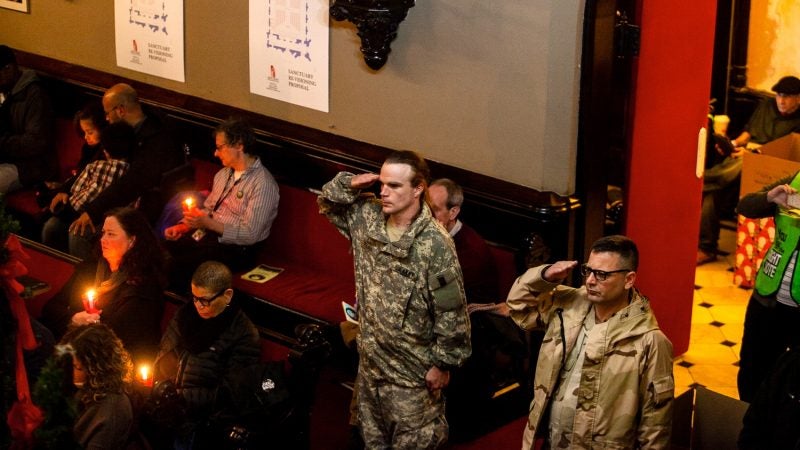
pixel 155 154
pixel 133 309
pixel 27 131
pixel 202 356
pixel 771 421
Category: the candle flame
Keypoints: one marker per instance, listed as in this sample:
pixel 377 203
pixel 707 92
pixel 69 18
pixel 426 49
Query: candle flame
pixel 189 202
pixel 90 295
pixel 144 371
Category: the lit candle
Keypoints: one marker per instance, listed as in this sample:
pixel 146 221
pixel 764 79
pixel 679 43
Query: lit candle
pixel 189 202
pixel 144 375
pixel 90 295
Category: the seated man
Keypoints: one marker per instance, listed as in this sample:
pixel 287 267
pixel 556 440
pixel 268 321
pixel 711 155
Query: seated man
pixel 154 156
pixel 721 180
pixel 771 120
pixel 236 216
pixel 117 142
pixel 774 118
pixel 27 155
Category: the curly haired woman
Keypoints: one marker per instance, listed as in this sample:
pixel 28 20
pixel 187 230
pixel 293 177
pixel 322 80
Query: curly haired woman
pixel 102 371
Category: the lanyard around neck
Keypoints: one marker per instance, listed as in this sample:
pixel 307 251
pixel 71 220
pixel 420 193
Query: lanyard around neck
pixel 227 190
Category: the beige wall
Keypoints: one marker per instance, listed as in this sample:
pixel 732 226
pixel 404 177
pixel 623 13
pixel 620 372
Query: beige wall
pixel 773 47
pixel 490 87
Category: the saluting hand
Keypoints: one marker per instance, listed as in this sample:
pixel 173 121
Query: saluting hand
pixel 559 271
pixel 363 180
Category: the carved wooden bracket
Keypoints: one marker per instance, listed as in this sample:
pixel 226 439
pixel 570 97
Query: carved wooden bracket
pixel 377 22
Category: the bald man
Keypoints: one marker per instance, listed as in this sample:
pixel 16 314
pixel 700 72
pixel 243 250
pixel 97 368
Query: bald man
pixel 155 154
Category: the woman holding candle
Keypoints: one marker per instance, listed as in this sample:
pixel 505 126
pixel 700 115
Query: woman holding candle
pixel 205 345
pixel 127 283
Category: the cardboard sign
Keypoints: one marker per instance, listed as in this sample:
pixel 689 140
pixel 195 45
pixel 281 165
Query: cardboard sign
pixel 774 160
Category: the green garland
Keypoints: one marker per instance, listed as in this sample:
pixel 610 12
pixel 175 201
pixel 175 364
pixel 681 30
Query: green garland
pixel 54 394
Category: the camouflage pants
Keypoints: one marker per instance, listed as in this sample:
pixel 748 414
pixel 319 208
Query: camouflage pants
pixel 396 417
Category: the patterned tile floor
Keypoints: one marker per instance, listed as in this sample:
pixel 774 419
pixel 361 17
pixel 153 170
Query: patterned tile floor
pixel 717 320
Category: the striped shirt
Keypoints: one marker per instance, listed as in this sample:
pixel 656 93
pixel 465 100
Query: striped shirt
pixel 95 177
pixel 784 295
pixel 246 207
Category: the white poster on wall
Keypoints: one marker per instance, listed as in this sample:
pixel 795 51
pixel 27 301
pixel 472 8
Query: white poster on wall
pixel 149 37
pixel 289 51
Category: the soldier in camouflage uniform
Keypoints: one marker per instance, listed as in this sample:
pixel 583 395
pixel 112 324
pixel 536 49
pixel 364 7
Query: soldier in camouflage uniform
pixel 604 375
pixel 412 310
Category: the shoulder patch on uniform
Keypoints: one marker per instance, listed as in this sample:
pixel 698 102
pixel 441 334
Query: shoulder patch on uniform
pixel 446 289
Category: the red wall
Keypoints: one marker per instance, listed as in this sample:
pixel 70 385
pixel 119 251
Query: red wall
pixel 670 94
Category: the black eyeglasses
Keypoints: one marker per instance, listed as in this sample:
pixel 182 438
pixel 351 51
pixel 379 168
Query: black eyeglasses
pixel 205 301
pixel 601 275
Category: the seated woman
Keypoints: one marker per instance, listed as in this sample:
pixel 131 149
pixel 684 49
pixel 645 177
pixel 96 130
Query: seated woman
pixel 117 143
pixel 89 121
pixel 102 371
pixel 205 345
pixel 128 281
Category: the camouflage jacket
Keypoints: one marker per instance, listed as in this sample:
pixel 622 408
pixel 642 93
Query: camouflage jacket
pixel 626 384
pixel 411 304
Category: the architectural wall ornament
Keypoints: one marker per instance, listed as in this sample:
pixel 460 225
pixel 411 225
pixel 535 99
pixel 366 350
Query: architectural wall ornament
pixel 376 21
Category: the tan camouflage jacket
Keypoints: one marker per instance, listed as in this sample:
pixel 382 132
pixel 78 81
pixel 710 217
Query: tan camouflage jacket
pixel 627 386
pixel 411 304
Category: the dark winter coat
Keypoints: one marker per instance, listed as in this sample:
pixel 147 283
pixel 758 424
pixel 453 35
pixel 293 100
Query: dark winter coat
pixel 156 153
pixel 202 356
pixel 27 130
